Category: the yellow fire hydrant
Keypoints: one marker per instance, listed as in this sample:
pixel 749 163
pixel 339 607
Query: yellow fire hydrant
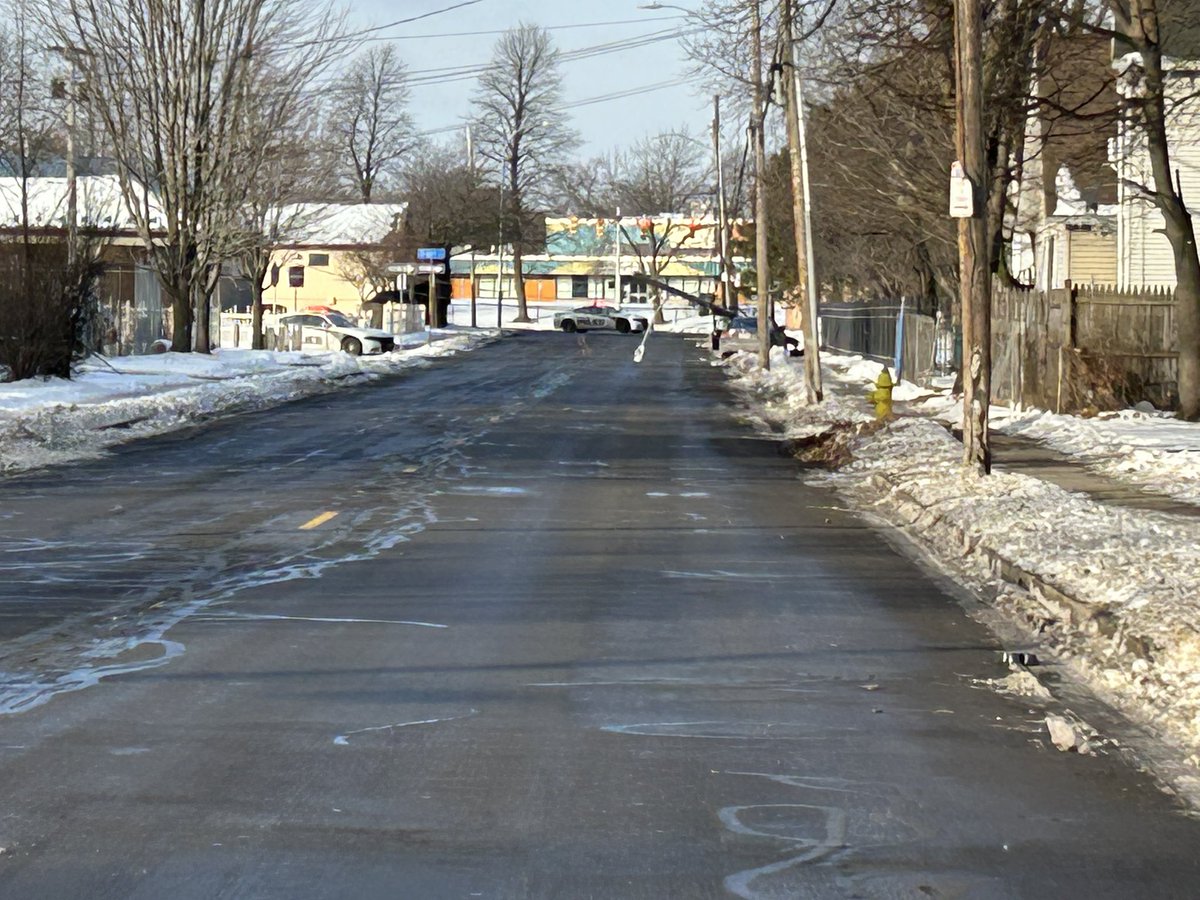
pixel 882 395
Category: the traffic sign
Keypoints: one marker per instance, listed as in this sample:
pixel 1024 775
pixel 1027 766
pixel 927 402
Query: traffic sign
pixel 402 268
pixel 431 253
pixel 432 268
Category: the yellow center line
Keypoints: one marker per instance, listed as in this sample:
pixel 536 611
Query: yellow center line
pixel 318 521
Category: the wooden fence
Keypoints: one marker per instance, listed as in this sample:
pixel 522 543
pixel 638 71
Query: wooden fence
pixel 1079 347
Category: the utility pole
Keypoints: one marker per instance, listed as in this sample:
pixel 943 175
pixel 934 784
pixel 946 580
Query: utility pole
pixel 758 116
pixel 793 90
pixel 973 254
pixel 471 173
pixel 617 267
pixel 722 220
pixel 500 262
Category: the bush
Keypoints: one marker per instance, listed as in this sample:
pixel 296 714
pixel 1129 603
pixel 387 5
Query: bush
pixel 46 308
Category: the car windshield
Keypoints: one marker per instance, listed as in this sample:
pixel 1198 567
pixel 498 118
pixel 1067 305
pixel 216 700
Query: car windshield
pixel 341 320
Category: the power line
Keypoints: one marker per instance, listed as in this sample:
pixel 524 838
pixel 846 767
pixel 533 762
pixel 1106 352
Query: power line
pixel 575 104
pixel 455 34
pixel 463 73
pixel 362 32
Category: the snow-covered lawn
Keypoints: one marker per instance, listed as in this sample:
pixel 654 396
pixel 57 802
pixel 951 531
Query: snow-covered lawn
pixel 1114 591
pixel 43 422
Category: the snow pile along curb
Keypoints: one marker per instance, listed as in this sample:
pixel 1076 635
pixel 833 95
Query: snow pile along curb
pixel 56 421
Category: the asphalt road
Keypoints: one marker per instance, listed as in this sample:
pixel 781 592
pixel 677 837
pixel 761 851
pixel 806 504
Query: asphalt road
pixel 574 631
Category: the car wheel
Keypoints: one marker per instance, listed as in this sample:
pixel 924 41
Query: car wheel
pixel 569 326
pixel 353 346
pixel 623 326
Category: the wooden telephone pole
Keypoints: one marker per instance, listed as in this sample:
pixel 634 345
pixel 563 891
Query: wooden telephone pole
pixel 973 251
pixel 793 92
pixel 757 121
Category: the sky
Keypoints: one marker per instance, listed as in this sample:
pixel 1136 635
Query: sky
pixel 575 25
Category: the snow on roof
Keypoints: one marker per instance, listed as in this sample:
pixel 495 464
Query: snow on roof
pixel 100 203
pixel 334 224
pixel 1070 199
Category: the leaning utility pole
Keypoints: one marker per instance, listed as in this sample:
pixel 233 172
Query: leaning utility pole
pixel 757 131
pixel 793 91
pixel 727 299
pixel 973 254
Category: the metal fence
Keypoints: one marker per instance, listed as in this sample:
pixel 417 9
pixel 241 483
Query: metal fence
pixel 914 345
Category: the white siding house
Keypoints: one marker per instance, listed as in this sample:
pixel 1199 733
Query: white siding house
pixel 1144 255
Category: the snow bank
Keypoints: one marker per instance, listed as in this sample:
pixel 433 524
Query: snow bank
pixel 44 422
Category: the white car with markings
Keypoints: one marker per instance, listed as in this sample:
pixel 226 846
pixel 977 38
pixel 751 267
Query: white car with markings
pixel 323 330
pixel 589 317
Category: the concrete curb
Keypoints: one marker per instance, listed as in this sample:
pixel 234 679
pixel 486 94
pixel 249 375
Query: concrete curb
pixel 1085 619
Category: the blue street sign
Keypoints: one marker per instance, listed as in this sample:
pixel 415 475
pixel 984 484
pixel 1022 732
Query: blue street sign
pixel 431 253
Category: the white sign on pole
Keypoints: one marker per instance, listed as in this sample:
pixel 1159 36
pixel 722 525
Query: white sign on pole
pixel 431 268
pixel 402 268
pixel 962 193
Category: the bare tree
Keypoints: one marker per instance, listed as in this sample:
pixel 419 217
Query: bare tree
pixel 521 131
pixel 177 86
pixel 663 173
pixel 1148 98
pixel 370 125
pixel 448 203
pixel 274 211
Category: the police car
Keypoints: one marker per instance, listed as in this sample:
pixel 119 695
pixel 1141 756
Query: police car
pixel 323 329
pixel 587 317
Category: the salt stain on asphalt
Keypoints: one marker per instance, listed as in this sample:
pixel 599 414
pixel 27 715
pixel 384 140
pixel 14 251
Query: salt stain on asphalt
pixel 343 740
pixel 264 617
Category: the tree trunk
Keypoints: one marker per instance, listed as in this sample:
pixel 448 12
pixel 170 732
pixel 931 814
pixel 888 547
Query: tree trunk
pixel 257 339
pixel 1180 233
pixel 181 317
pixel 203 342
pixel 519 284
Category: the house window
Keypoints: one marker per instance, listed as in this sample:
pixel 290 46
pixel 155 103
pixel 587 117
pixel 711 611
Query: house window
pixel 318 259
pixel 636 292
pixel 579 287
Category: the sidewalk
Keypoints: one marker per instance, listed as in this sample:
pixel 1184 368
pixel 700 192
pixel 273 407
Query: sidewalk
pixel 1027 456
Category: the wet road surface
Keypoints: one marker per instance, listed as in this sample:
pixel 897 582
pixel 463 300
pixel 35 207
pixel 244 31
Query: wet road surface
pixel 574 631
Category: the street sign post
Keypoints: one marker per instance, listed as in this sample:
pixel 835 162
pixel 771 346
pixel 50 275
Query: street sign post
pixel 402 268
pixel 432 268
pixel 431 254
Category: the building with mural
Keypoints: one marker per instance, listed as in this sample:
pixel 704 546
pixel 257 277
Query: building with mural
pixel 583 257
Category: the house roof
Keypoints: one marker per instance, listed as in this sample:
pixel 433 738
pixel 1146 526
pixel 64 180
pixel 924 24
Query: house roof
pixel 99 203
pixel 340 224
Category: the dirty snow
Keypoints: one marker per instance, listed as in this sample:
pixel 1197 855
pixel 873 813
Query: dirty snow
pixel 44 422
pixel 1130 625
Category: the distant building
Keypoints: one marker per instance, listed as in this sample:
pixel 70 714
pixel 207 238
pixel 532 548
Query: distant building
pixel 332 255
pixel 581 259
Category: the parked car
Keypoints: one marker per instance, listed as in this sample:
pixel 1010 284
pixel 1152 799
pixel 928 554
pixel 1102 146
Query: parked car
pixel 323 329
pixel 741 333
pixel 586 317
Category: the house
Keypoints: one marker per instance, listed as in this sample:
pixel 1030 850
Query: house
pixel 130 293
pixel 332 255
pixel 583 255
pixel 1064 207
pixel 1144 255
